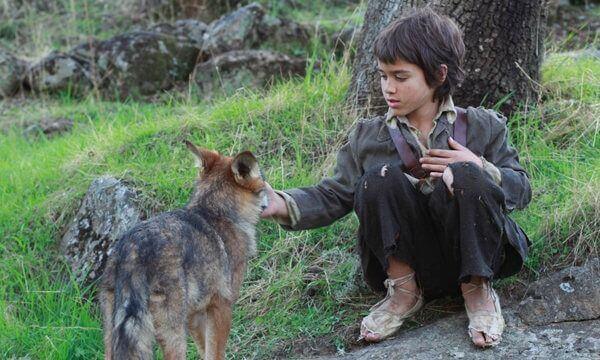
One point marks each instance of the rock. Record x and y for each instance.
(138, 63)
(572, 294)
(567, 328)
(142, 63)
(58, 72)
(11, 73)
(49, 127)
(447, 339)
(108, 209)
(249, 27)
(249, 68)
(280, 31)
(184, 30)
(234, 31)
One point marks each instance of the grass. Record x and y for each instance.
(560, 146)
(303, 288)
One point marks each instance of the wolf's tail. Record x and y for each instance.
(133, 332)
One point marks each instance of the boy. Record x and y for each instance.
(433, 233)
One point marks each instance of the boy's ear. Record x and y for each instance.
(205, 159)
(443, 72)
(245, 168)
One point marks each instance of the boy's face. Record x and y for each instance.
(404, 87)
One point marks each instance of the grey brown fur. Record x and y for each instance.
(179, 273)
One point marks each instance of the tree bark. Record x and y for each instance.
(504, 51)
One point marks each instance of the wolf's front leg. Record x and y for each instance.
(218, 325)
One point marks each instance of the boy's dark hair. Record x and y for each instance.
(428, 40)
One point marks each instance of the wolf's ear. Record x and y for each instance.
(205, 159)
(245, 168)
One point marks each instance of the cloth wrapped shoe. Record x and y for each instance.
(490, 323)
(384, 323)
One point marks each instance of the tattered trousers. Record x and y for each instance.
(445, 238)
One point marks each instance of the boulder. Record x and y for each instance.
(11, 73)
(235, 31)
(108, 209)
(572, 294)
(191, 30)
(58, 72)
(281, 31)
(247, 68)
(137, 63)
(249, 27)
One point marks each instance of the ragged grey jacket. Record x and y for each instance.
(370, 145)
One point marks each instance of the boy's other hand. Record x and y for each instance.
(277, 207)
(436, 160)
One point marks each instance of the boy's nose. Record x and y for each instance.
(389, 88)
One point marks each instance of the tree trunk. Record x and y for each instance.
(504, 51)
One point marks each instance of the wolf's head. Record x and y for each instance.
(229, 186)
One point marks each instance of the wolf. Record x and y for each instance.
(180, 272)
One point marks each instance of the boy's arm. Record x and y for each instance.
(514, 179)
(332, 198)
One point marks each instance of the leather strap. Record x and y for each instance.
(411, 164)
(410, 161)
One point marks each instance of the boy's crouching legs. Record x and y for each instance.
(383, 196)
(481, 220)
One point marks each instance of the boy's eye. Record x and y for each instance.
(400, 78)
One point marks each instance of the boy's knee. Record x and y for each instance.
(381, 181)
(467, 175)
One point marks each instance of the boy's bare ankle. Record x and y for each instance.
(398, 269)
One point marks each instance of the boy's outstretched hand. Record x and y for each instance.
(436, 160)
(277, 207)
